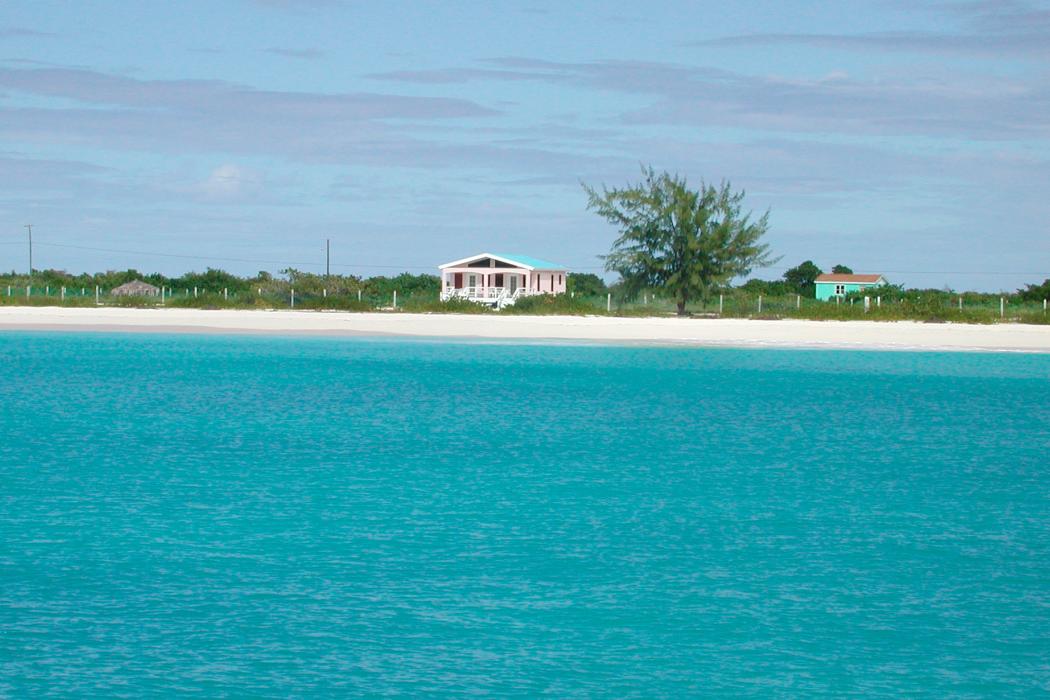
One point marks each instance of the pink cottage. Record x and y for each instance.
(499, 280)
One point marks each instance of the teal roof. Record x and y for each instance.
(531, 262)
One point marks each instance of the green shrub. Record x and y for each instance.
(585, 284)
(554, 304)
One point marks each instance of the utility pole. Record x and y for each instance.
(30, 228)
(327, 257)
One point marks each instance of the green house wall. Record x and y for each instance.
(826, 290)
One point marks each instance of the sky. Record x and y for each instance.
(904, 137)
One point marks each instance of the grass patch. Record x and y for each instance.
(451, 306)
(554, 305)
(46, 301)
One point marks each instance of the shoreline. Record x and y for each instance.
(657, 332)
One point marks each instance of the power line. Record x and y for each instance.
(208, 258)
(327, 264)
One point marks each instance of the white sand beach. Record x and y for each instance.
(902, 335)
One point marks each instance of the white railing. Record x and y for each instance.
(498, 296)
(483, 293)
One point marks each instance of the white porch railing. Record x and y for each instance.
(496, 296)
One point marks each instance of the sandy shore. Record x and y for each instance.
(903, 335)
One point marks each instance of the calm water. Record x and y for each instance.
(249, 517)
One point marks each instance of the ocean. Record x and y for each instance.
(240, 516)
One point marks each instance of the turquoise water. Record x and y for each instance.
(251, 516)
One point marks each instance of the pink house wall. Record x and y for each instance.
(549, 282)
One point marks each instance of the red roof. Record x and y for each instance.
(856, 279)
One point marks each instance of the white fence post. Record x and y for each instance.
(194, 292)
(867, 304)
(96, 295)
(720, 300)
(324, 292)
(63, 293)
(759, 303)
(28, 291)
(608, 302)
(1002, 307)
(359, 295)
(293, 297)
(798, 301)
(225, 294)
(395, 298)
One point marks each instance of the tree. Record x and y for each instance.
(769, 288)
(405, 284)
(1035, 292)
(802, 279)
(585, 284)
(212, 280)
(680, 241)
(841, 270)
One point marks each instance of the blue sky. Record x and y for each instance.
(910, 138)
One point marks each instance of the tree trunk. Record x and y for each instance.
(681, 306)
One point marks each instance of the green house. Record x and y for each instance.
(830, 286)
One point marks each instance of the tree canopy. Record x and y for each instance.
(585, 284)
(766, 287)
(1035, 292)
(678, 240)
(802, 279)
(841, 270)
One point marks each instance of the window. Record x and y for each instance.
(840, 290)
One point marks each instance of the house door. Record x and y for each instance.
(512, 283)
(458, 281)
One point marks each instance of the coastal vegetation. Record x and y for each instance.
(790, 296)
